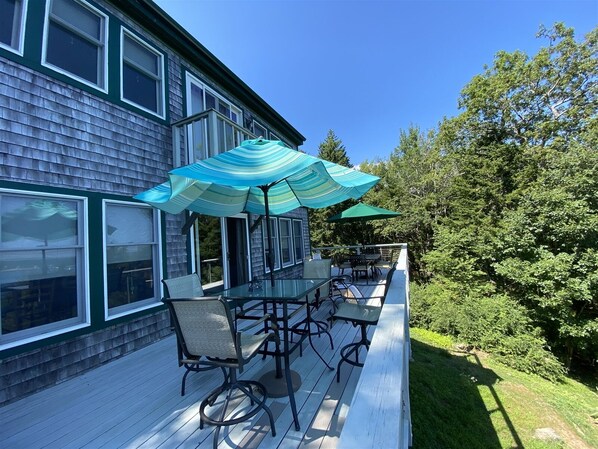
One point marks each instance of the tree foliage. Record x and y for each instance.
(500, 208)
(322, 232)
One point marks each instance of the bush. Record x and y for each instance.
(493, 323)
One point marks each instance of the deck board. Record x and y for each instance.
(135, 402)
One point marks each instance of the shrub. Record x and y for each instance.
(493, 323)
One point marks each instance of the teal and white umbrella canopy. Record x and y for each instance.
(259, 176)
(234, 182)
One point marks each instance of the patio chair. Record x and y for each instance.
(205, 327)
(360, 312)
(188, 286)
(315, 269)
(360, 267)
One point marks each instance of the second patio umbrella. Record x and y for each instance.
(260, 176)
(362, 212)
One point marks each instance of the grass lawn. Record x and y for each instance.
(467, 400)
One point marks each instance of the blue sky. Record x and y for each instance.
(368, 69)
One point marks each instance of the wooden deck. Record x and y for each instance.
(135, 402)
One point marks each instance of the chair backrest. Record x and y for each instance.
(188, 286)
(318, 269)
(204, 327)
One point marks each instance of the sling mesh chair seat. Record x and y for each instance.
(188, 286)
(358, 310)
(205, 326)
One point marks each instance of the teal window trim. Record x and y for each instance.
(32, 58)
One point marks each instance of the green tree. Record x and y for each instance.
(414, 182)
(522, 207)
(323, 233)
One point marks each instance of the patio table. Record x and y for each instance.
(279, 295)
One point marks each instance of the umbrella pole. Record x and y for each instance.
(270, 260)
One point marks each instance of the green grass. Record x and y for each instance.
(468, 400)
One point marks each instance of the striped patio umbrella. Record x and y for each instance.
(259, 176)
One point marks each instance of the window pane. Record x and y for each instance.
(10, 22)
(208, 250)
(79, 17)
(130, 274)
(140, 88)
(72, 53)
(285, 241)
(27, 222)
(38, 288)
(129, 224)
(298, 238)
(141, 56)
(210, 101)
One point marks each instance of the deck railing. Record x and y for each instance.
(203, 135)
(380, 412)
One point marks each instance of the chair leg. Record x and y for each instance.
(246, 387)
(353, 348)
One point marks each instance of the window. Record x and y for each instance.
(274, 136)
(142, 75)
(132, 271)
(275, 242)
(298, 246)
(43, 267)
(286, 242)
(259, 130)
(75, 41)
(201, 143)
(12, 24)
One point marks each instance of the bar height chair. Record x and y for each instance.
(205, 327)
(188, 286)
(356, 311)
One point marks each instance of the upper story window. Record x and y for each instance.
(201, 143)
(259, 130)
(142, 75)
(75, 41)
(12, 24)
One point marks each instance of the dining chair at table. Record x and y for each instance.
(205, 327)
(360, 311)
(310, 327)
(187, 286)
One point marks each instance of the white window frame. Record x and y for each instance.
(289, 239)
(104, 43)
(18, 27)
(258, 133)
(161, 79)
(274, 136)
(275, 243)
(51, 330)
(192, 79)
(150, 302)
(295, 237)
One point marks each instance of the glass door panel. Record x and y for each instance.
(208, 251)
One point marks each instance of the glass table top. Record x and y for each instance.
(292, 289)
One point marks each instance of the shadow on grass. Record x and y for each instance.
(446, 406)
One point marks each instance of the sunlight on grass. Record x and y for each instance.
(467, 400)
